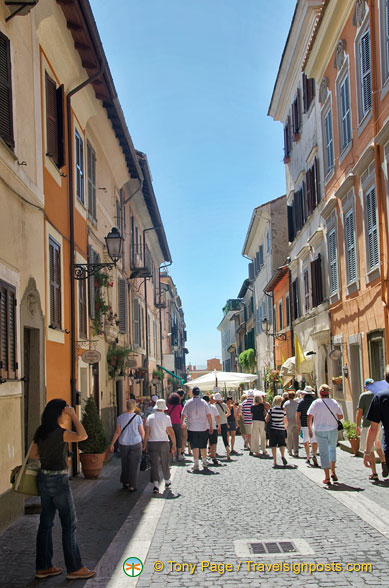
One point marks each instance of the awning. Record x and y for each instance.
(172, 374)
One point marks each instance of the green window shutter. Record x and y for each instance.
(122, 304)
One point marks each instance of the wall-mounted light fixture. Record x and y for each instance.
(266, 329)
(113, 241)
(345, 370)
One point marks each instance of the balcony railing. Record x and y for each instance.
(160, 298)
(140, 267)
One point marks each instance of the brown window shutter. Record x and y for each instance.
(317, 182)
(3, 332)
(51, 119)
(8, 363)
(305, 93)
(82, 321)
(55, 283)
(6, 120)
(314, 283)
(60, 127)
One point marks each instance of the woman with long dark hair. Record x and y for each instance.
(174, 410)
(51, 447)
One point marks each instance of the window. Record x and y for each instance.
(351, 264)
(296, 116)
(79, 156)
(333, 261)
(281, 315)
(122, 305)
(328, 142)
(295, 301)
(372, 230)
(364, 75)
(287, 141)
(136, 322)
(308, 91)
(82, 319)
(317, 282)
(8, 363)
(344, 111)
(313, 187)
(55, 283)
(384, 11)
(306, 291)
(91, 165)
(54, 121)
(287, 308)
(6, 118)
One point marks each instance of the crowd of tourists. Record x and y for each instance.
(170, 430)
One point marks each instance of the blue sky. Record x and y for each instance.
(195, 78)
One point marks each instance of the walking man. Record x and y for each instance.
(223, 412)
(248, 416)
(302, 424)
(292, 439)
(378, 413)
(199, 420)
(363, 407)
(216, 430)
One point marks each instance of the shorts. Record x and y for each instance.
(362, 444)
(306, 437)
(231, 426)
(212, 437)
(242, 428)
(198, 439)
(276, 438)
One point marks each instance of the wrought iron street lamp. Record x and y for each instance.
(266, 329)
(113, 241)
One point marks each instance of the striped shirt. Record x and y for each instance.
(246, 410)
(277, 418)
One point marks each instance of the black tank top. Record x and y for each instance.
(53, 451)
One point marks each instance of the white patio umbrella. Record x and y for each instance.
(288, 368)
(215, 378)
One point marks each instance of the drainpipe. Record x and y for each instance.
(381, 207)
(72, 247)
(160, 313)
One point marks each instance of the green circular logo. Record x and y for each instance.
(132, 566)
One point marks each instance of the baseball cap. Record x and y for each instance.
(369, 381)
(154, 398)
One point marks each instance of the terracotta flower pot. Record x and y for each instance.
(354, 445)
(92, 464)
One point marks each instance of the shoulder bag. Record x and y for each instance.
(124, 428)
(24, 478)
(340, 424)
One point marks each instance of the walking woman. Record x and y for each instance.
(130, 432)
(276, 416)
(231, 425)
(158, 430)
(224, 413)
(325, 413)
(174, 410)
(51, 447)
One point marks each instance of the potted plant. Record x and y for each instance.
(337, 380)
(157, 376)
(93, 448)
(116, 360)
(350, 432)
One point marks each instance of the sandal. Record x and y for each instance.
(327, 482)
(334, 477)
(374, 477)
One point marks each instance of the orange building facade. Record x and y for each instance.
(279, 288)
(349, 60)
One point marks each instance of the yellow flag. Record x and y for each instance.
(282, 358)
(300, 357)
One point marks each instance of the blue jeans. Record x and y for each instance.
(56, 495)
(327, 441)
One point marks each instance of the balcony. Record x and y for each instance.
(160, 298)
(141, 267)
(232, 304)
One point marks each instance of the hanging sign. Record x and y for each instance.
(131, 363)
(91, 356)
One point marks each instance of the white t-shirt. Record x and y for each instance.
(196, 410)
(214, 414)
(323, 420)
(158, 423)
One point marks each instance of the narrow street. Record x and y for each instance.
(198, 532)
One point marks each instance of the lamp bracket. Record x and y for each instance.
(82, 271)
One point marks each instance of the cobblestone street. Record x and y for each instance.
(204, 515)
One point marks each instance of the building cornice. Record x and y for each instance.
(345, 187)
(365, 159)
(327, 36)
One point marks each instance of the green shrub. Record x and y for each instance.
(97, 441)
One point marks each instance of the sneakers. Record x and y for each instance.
(385, 471)
(168, 484)
(314, 461)
(205, 464)
(195, 468)
(53, 571)
(181, 458)
(215, 461)
(155, 490)
(82, 574)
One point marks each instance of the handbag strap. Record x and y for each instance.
(21, 471)
(335, 417)
(129, 422)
